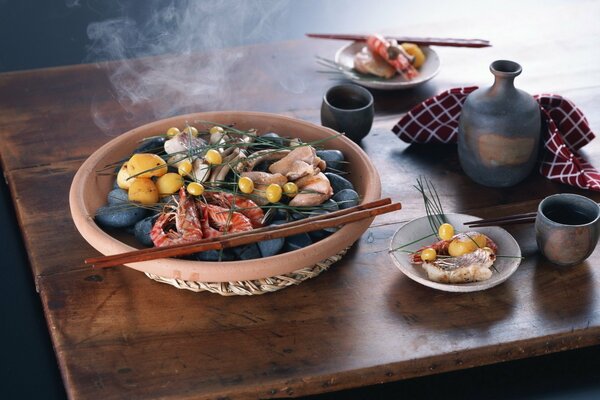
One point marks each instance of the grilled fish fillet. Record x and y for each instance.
(471, 267)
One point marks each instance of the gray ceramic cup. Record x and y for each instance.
(567, 228)
(348, 109)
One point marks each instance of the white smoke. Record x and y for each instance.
(178, 31)
(72, 3)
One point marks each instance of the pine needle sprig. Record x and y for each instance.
(432, 203)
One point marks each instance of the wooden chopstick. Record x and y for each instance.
(373, 204)
(422, 41)
(507, 220)
(318, 222)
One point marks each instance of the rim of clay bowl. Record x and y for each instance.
(83, 204)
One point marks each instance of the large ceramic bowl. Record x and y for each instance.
(89, 190)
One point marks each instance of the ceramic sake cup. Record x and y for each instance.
(567, 227)
(348, 109)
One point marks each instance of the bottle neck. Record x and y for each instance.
(504, 72)
(503, 84)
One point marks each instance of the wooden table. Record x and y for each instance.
(118, 334)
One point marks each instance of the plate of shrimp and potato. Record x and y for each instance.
(378, 63)
(442, 253)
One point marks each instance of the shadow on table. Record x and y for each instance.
(445, 311)
(564, 293)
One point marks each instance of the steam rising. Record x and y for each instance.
(72, 3)
(177, 29)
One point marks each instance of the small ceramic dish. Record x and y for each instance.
(345, 58)
(418, 228)
(89, 191)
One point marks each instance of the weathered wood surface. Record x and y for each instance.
(118, 334)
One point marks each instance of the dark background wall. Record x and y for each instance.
(47, 33)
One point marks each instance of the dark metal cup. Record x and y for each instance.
(567, 227)
(348, 109)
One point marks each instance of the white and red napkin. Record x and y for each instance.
(566, 130)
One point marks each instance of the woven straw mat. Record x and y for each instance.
(256, 286)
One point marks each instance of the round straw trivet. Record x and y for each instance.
(256, 286)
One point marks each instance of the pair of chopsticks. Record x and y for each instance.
(310, 224)
(516, 219)
(421, 41)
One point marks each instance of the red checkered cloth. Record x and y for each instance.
(566, 130)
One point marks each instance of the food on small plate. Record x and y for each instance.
(416, 52)
(366, 62)
(457, 258)
(471, 267)
(385, 58)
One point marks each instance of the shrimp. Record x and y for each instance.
(240, 204)
(440, 247)
(380, 46)
(368, 63)
(208, 231)
(226, 220)
(186, 220)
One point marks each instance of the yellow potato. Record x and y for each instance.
(146, 165)
(459, 247)
(123, 177)
(416, 52)
(143, 190)
(169, 183)
(445, 231)
(466, 243)
(480, 240)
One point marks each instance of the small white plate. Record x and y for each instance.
(418, 228)
(345, 58)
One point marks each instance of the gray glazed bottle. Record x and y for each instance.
(499, 130)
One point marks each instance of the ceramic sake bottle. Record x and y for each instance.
(499, 130)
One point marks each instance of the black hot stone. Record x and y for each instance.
(142, 229)
(333, 158)
(117, 196)
(346, 198)
(271, 247)
(274, 138)
(315, 236)
(215, 255)
(247, 252)
(330, 205)
(296, 242)
(155, 145)
(119, 216)
(338, 183)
